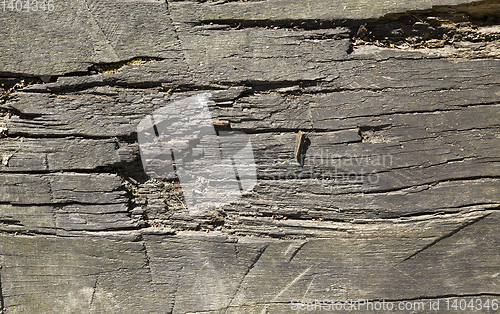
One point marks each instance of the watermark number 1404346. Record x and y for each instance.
(27, 5)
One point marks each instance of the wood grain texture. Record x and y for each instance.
(55, 154)
(100, 274)
(396, 196)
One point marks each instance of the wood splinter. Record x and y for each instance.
(221, 123)
(299, 146)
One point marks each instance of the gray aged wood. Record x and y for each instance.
(298, 10)
(396, 198)
(198, 273)
(77, 34)
(54, 154)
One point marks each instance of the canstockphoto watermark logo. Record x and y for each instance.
(180, 141)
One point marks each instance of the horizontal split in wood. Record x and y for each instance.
(336, 201)
(69, 154)
(56, 219)
(381, 89)
(275, 10)
(62, 188)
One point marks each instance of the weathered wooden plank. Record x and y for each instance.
(287, 227)
(376, 92)
(418, 163)
(106, 111)
(404, 158)
(192, 272)
(439, 141)
(82, 202)
(77, 34)
(392, 148)
(396, 197)
(135, 28)
(24, 189)
(71, 37)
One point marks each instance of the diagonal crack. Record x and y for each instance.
(148, 261)
(252, 265)
(176, 34)
(446, 236)
(100, 32)
(174, 293)
(264, 310)
(297, 249)
(93, 292)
